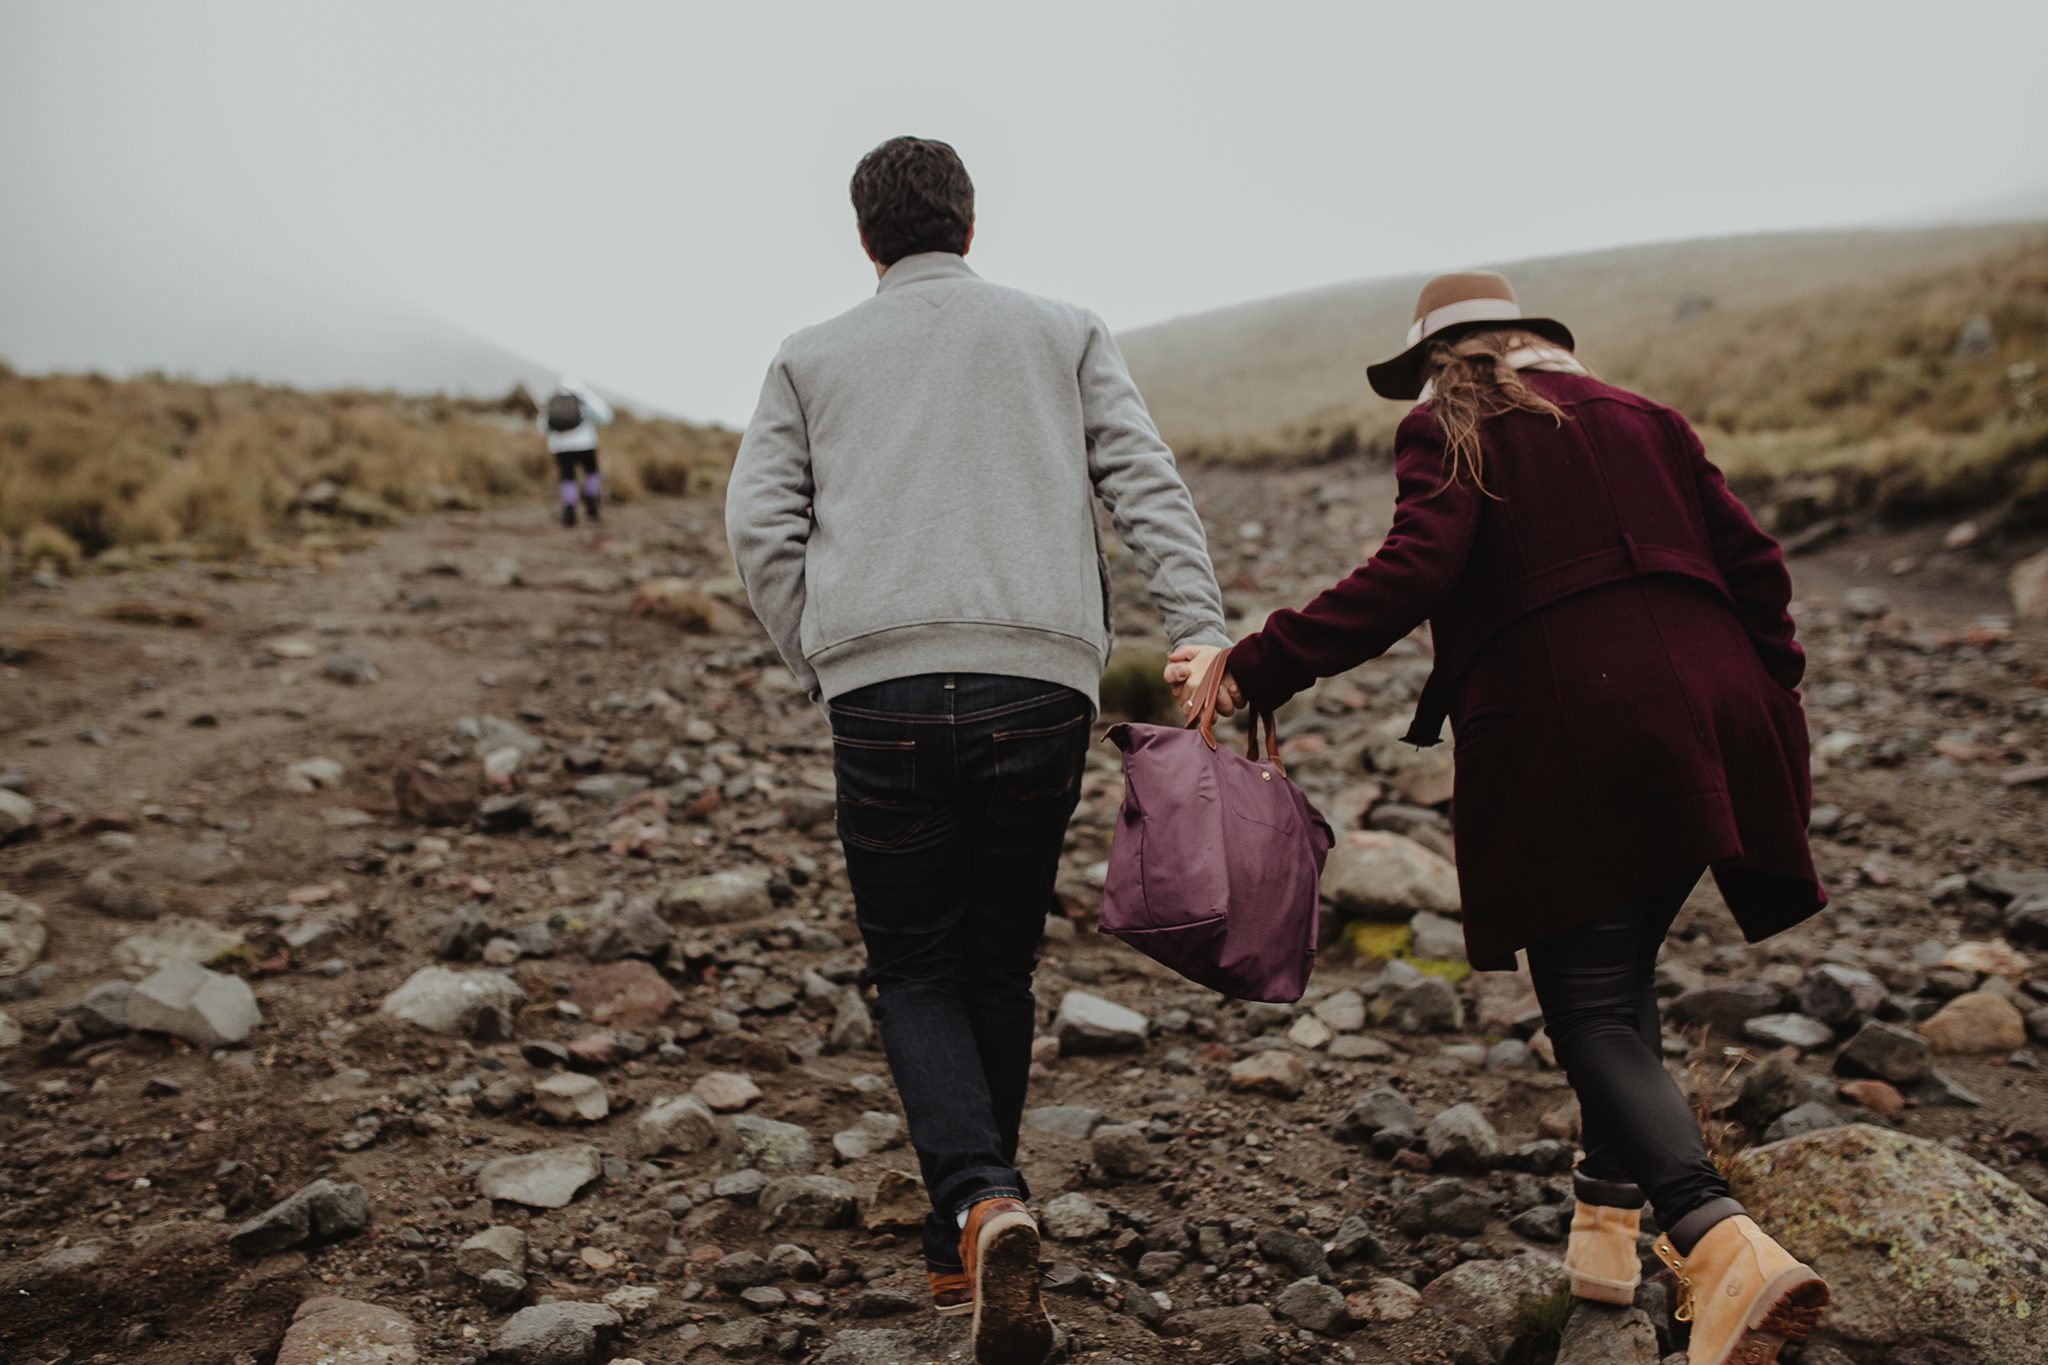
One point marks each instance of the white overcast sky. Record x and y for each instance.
(654, 194)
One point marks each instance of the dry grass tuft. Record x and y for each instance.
(132, 470)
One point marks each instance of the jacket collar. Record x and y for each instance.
(926, 265)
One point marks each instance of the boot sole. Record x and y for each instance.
(1603, 1293)
(1785, 1312)
(1010, 1325)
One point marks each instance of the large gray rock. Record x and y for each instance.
(1886, 1052)
(1374, 1110)
(1372, 874)
(808, 1201)
(682, 1124)
(1839, 996)
(769, 1145)
(1310, 1303)
(556, 1334)
(1461, 1137)
(1913, 1238)
(21, 931)
(1428, 1006)
(1603, 1334)
(543, 1180)
(206, 1009)
(322, 1209)
(722, 898)
(444, 1001)
(101, 1012)
(332, 1331)
(1088, 1023)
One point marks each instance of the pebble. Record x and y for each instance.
(1311, 1033)
(499, 1247)
(1810, 1117)
(1839, 996)
(721, 898)
(1442, 1206)
(1089, 1024)
(1428, 1006)
(1357, 1047)
(726, 1091)
(444, 1001)
(1121, 1149)
(571, 1098)
(1343, 1011)
(1374, 1110)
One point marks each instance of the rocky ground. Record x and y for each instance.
(446, 950)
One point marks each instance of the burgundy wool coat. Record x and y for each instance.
(1613, 651)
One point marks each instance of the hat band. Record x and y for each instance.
(1465, 310)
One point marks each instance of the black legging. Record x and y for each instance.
(1597, 986)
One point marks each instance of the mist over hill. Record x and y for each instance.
(1286, 376)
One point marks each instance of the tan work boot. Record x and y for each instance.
(952, 1292)
(999, 1247)
(1745, 1296)
(1601, 1256)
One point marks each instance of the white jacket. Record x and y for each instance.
(596, 413)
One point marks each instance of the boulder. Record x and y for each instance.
(444, 1001)
(1088, 1023)
(681, 1124)
(1913, 1238)
(1372, 874)
(722, 898)
(322, 1209)
(1885, 1052)
(1976, 1021)
(808, 1201)
(557, 1334)
(206, 1009)
(333, 1331)
(544, 1180)
(21, 931)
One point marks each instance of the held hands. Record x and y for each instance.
(1185, 669)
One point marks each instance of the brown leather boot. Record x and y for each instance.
(1601, 1256)
(952, 1292)
(1745, 1296)
(999, 1247)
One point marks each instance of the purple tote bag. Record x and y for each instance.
(1216, 861)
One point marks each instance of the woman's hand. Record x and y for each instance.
(1185, 669)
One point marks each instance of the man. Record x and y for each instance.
(913, 512)
(571, 418)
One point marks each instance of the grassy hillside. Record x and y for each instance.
(1286, 377)
(131, 468)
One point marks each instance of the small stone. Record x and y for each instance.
(500, 1288)
(808, 1201)
(101, 1012)
(853, 1027)
(1074, 1121)
(1375, 875)
(1157, 1267)
(874, 1132)
(681, 1124)
(741, 1187)
(1311, 1304)
(791, 1262)
(1428, 1006)
(899, 1202)
(1788, 1030)
(500, 1247)
(1374, 1110)
(1343, 1011)
(764, 1298)
(349, 667)
(22, 934)
(1605, 1334)
(1310, 1032)
(1280, 1074)
(769, 1145)
(1839, 996)
(726, 1091)
(1938, 1089)
(1442, 1206)
(738, 1270)
(335, 1331)
(1875, 1095)
(1810, 1117)
(1088, 1023)
(1728, 1006)
(1383, 1300)
(721, 898)
(206, 1009)
(569, 1097)
(1773, 1086)
(1977, 1021)
(1460, 1136)
(1434, 938)
(880, 1303)
(1885, 1052)
(444, 1001)
(1121, 1150)
(1543, 1223)
(1358, 1047)
(546, 1180)
(556, 1334)
(1073, 1217)
(1510, 1054)
(322, 1209)
(1301, 1254)
(633, 1301)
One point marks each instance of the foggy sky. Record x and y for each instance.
(653, 195)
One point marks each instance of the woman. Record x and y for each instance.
(1614, 652)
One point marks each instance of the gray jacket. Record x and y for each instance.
(915, 493)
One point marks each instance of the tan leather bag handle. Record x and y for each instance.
(1203, 716)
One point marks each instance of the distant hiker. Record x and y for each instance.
(571, 418)
(1615, 653)
(913, 513)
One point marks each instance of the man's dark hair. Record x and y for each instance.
(912, 194)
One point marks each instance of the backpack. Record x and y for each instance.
(565, 412)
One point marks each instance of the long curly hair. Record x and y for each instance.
(1471, 383)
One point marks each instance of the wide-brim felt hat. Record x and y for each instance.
(1450, 306)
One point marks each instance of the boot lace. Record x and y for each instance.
(1668, 1254)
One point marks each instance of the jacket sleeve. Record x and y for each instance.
(1134, 476)
(1751, 564)
(595, 409)
(768, 517)
(1385, 598)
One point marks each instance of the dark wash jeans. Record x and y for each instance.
(1597, 987)
(954, 795)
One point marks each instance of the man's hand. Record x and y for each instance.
(1185, 669)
